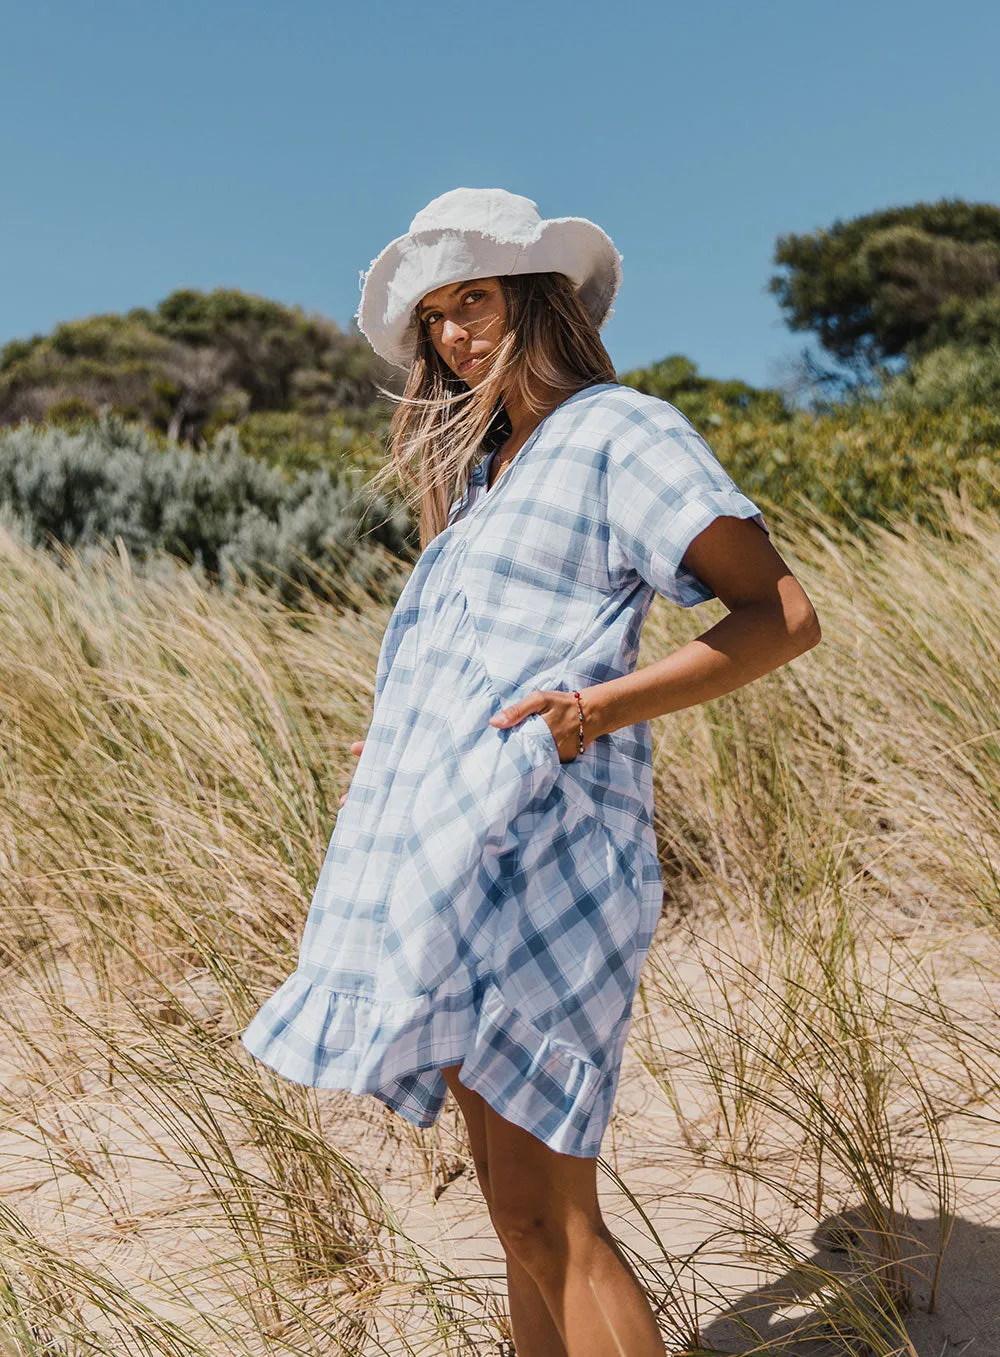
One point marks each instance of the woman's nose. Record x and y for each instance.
(450, 332)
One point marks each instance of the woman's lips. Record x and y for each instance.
(467, 363)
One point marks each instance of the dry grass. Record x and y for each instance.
(809, 1111)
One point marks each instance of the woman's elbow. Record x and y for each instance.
(803, 626)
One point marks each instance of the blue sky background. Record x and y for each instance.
(278, 147)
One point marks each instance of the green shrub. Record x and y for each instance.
(221, 510)
(866, 461)
(297, 442)
(704, 400)
(196, 362)
(72, 412)
(948, 378)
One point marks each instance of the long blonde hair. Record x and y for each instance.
(440, 425)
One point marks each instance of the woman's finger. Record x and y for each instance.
(356, 748)
(519, 710)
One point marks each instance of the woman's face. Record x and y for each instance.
(466, 322)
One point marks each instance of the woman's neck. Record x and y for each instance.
(524, 420)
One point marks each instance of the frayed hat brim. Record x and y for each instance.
(420, 261)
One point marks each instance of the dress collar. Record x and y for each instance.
(478, 473)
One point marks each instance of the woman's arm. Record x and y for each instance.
(770, 621)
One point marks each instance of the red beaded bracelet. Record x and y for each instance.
(580, 705)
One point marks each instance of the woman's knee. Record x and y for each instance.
(544, 1204)
(527, 1232)
(539, 1233)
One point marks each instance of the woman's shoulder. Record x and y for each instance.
(625, 417)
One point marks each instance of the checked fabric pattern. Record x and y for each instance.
(481, 903)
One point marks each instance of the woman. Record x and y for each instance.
(492, 883)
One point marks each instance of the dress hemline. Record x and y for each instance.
(325, 1038)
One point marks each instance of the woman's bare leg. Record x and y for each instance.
(535, 1334)
(544, 1208)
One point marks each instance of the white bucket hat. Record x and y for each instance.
(479, 233)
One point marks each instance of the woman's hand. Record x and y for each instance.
(356, 748)
(560, 711)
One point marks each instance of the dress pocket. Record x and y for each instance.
(538, 730)
(531, 737)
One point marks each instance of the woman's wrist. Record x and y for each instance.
(596, 712)
(619, 702)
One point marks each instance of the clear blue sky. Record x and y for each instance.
(277, 147)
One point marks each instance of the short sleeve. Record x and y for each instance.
(665, 485)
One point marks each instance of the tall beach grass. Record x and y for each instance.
(816, 1033)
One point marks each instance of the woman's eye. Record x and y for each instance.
(433, 317)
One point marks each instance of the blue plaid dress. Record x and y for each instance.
(481, 903)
